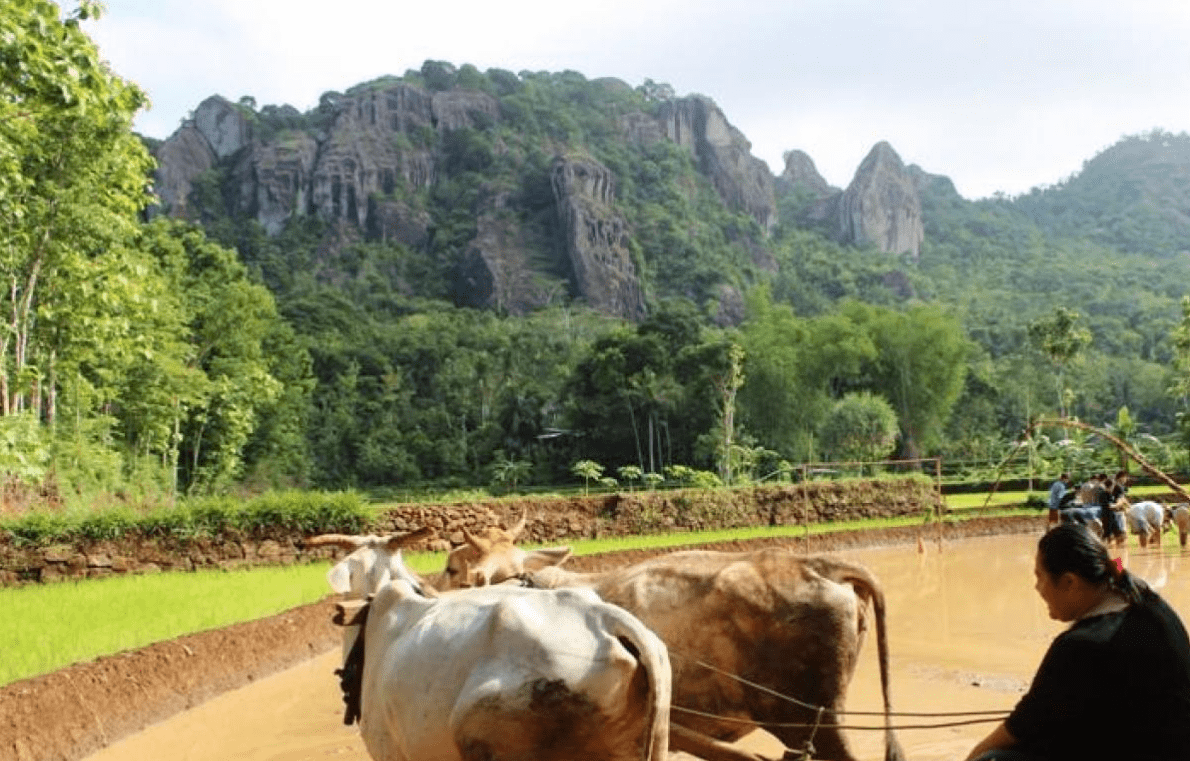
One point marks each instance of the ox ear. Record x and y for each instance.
(396, 541)
(538, 559)
(339, 577)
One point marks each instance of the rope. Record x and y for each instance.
(851, 727)
(996, 715)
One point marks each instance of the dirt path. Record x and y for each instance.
(72, 713)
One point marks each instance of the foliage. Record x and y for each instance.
(861, 428)
(261, 517)
(588, 470)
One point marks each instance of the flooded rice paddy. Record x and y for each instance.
(966, 633)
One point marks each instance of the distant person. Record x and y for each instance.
(1058, 490)
(1146, 519)
(1116, 684)
(1181, 517)
(1119, 499)
(1088, 491)
(1113, 528)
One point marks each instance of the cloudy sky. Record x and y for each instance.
(999, 95)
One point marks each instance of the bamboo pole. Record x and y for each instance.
(1128, 451)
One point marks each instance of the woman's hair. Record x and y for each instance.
(1072, 548)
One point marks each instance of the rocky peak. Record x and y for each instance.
(800, 173)
(723, 154)
(223, 125)
(216, 130)
(881, 206)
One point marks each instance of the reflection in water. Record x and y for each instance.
(966, 630)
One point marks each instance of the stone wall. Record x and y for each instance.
(548, 520)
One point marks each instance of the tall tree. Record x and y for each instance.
(72, 179)
(1060, 338)
(921, 362)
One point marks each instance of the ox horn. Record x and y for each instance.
(404, 540)
(477, 542)
(335, 540)
(516, 530)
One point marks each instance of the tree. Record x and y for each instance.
(72, 179)
(587, 470)
(217, 395)
(631, 474)
(511, 472)
(727, 385)
(1060, 338)
(921, 360)
(861, 427)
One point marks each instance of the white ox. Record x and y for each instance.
(372, 562)
(505, 673)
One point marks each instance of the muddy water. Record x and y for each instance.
(966, 630)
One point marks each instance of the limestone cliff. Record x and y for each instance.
(459, 173)
(596, 237)
(881, 206)
(723, 154)
(217, 130)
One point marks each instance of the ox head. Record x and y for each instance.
(491, 556)
(374, 561)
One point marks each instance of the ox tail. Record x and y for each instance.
(869, 589)
(652, 654)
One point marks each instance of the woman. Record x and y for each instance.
(1116, 684)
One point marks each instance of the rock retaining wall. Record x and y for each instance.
(549, 520)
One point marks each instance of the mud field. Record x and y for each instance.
(966, 632)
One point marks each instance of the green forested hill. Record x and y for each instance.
(943, 338)
(488, 278)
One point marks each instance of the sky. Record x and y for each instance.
(999, 95)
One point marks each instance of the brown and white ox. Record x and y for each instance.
(504, 673)
(749, 633)
(790, 625)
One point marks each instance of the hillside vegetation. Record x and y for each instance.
(145, 359)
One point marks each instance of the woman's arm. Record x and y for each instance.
(999, 738)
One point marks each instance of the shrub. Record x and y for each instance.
(261, 517)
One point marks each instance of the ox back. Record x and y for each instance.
(792, 625)
(511, 674)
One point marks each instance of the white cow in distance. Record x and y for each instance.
(505, 673)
